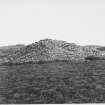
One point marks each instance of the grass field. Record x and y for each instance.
(56, 82)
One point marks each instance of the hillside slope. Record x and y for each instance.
(55, 83)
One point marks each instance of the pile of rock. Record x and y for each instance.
(52, 50)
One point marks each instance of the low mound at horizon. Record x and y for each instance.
(49, 50)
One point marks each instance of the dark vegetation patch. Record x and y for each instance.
(56, 82)
(101, 48)
(37, 62)
(94, 58)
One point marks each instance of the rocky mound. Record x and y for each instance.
(52, 50)
(46, 50)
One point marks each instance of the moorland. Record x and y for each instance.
(55, 73)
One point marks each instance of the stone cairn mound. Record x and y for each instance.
(52, 50)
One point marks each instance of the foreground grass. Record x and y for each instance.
(57, 82)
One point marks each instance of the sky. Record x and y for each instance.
(75, 21)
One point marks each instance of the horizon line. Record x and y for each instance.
(50, 39)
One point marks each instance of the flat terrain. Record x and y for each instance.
(56, 82)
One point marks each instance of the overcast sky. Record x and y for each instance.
(27, 21)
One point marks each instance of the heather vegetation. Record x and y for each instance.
(56, 82)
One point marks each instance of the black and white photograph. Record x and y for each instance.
(52, 52)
